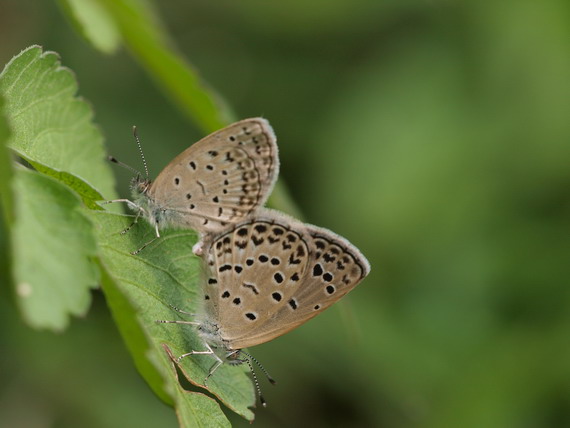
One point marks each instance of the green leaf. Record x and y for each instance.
(51, 127)
(5, 167)
(126, 319)
(165, 274)
(93, 22)
(53, 248)
(52, 241)
(144, 36)
(196, 409)
(87, 193)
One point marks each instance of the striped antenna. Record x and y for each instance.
(140, 150)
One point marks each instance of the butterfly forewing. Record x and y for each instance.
(221, 179)
(274, 273)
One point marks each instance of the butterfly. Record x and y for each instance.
(216, 182)
(266, 276)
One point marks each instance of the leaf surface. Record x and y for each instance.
(166, 274)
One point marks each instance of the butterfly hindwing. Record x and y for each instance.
(274, 273)
(335, 268)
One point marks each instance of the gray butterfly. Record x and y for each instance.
(266, 276)
(216, 182)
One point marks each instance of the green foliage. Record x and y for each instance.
(5, 167)
(140, 32)
(434, 135)
(51, 128)
(53, 248)
(140, 290)
(52, 241)
(63, 244)
(93, 22)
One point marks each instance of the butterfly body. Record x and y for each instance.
(157, 212)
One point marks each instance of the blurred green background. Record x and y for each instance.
(433, 135)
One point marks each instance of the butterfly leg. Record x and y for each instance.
(194, 353)
(177, 322)
(134, 207)
(180, 311)
(134, 253)
(129, 203)
(124, 231)
(217, 364)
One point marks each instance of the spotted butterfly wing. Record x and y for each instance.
(217, 181)
(270, 274)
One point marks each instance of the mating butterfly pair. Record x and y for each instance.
(267, 273)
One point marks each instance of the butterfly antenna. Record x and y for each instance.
(140, 149)
(269, 378)
(261, 399)
(124, 165)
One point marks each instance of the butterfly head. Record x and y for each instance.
(139, 186)
(139, 190)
